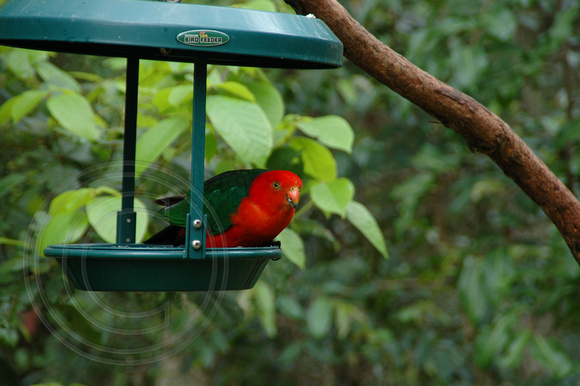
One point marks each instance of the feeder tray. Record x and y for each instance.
(169, 32)
(131, 267)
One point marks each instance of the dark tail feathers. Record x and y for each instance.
(170, 235)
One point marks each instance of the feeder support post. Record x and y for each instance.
(126, 217)
(196, 221)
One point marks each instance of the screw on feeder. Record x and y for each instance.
(197, 223)
(196, 244)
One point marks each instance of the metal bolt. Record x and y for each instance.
(197, 224)
(127, 240)
(128, 219)
(196, 244)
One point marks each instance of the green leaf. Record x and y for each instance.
(346, 313)
(484, 188)
(420, 43)
(500, 24)
(67, 222)
(243, 126)
(7, 241)
(74, 113)
(284, 158)
(8, 338)
(18, 61)
(551, 356)
(6, 111)
(499, 272)
(491, 342)
(515, 350)
(264, 296)
(237, 89)
(102, 215)
(86, 76)
(260, 5)
(469, 62)
(305, 226)
(26, 102)
(6, 183)
(317, 159)
(291, 353)
(293, 247)
(180, 94)
(211, 145)
(104, 189)
(290, 307)
(472, 291)
(347, 90)
(568, 132)
(64, 227)
(144, 120)
(333, 196)
(53, 75)
(343, 319)
(155, 139)
(161, 100)
(563, 24)
(319, 317)
(431, 158)
(70, 200)
(332, 131)
(363, 220)
(269, 99)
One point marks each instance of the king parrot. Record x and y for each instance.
(244, 208)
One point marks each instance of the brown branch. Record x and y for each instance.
(482, 130)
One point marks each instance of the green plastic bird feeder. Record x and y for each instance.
(170, 32)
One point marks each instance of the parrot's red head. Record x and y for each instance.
(278, 189)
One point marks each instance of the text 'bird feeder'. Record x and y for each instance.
(169, 32)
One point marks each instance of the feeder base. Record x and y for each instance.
(142, 267)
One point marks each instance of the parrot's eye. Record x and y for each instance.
(276, 185)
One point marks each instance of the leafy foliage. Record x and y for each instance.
(479, 287)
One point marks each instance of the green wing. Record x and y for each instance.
(223, 194)
(176, 209)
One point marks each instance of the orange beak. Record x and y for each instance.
(293, 196)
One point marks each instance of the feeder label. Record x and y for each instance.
(203, 38)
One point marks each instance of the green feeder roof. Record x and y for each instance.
(170, 32)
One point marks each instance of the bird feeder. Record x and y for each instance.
(168, 32)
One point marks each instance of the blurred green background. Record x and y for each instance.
(477, 286)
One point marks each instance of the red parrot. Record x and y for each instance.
(244, 208)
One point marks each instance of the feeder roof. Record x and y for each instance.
(170, 32)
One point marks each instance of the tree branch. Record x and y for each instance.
(482, 130)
